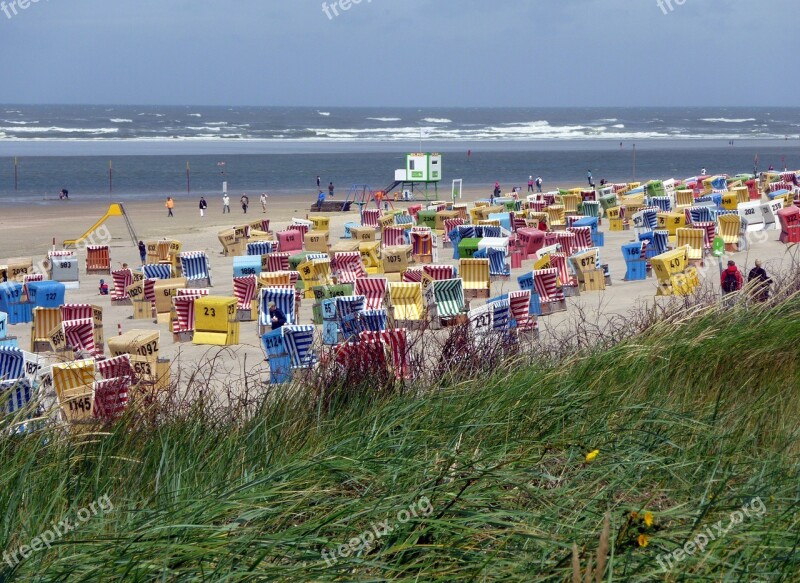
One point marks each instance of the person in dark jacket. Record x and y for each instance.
(143, 252)
(761, 282)
(731, 279)
(276, 316)
(203, 206)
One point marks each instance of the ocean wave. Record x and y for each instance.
(385, 118)
(195, 115)
(437, 120)
(203, 128)
(217, 123)
(619, 126)
(19, 123)
(324, 113)
(608, 120)
(727, 120)
(57, 130)
(120, 120)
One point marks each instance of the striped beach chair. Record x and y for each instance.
(406, 299)
(730, 228)
(278, 261)
(568, 241)
(300, 226)
(196, 268)
(393, 237)
(449, 225)
(699, 214)
(583, 238)
(710, 228)
(412, 275)
(111, 394)
(395, 341)
(348, 314)
(546, 284)
(262, 247)
(348, 267)
(439, 272)
(489, 231)
(664, 203)
(98, 259)
(45, 320)
(659, 243)
(500, 310)
(285, 301)
(373, 320)
(184, 311)
(122, 278)
(369, 217)
(694, 239)
(12, 363)
(403, 219)
(497, 261)
(477, 280)
(74, 385)
(449, 297)
(79, 335)
(645, 221)
(421, 242)
(374, 291)
(244, 290)
(519, 306)
(299, 342)
(157, 271)
(16, 394)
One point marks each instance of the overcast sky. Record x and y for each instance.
(401, 52)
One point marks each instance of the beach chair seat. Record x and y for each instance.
(406, 300)
(262, 247)
(556, 217)
(546, 283)
(694, 239)
(157, 271)
(582, 239)
(476, 276)
(412, 275)
(184, 320)
(370, 217)
(374, 291)
(519, 306)
(98, 259)
(730, 227)
(196, 269)
(299, 342)
(122, 278)
(501, 311)
(448, 298)
(16, 394)
(276, 262)
(348, 267)
(45, 320)
(449, 226)
(393, 237)
(348, 313)
(646, 220)
(374, 320)
(79, 335)
(12, 363)
(285, 301)
(440, 272)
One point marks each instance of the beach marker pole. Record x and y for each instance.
(110, 178)
(16, 182)
(119, 329)
(188, 180)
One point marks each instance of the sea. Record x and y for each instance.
(138, 152)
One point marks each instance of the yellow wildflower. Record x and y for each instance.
(592, 454)
(648, 518)
(643, 540)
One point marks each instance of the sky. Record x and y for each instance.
(446, 53)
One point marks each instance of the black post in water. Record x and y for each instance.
(110, 177)
(188, 180)
(16, 177)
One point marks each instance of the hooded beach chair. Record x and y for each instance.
(449, 298)
(439, 272)
(531, 240)
(262, 247)
(556, 217)
(369, 217)
(290, 241)
(285, 301)
(645, 221)
(122, 278)
(659, 243)
(79, 336)
(421, 245)
(406, 299)
(559, 262)
(500, 310)
(299, 342)
(412, 275)
(348, 315)
(16, 395)
(184, 311)
(567, 241)
(393, 237)
(373, 320)
(476, 276)
(498, 267)
(374, 291)
(348, 267)
(489, 231)
(45, 320)
(449, 225)
(157, 271)
(196, 268)
(546, 283)
(277, 262)
(663, 203)
(111, 392)
(12, 363)
(98, 259)
(694, 239)
(74, 385)
(583, 238)
(395, 341)
(730, 227)
(519, 306)
(244, 290)
(699, 214)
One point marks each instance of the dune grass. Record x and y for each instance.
(488, 479)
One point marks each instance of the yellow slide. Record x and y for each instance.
(114, 210)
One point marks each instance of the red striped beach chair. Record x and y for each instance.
(393, 237)
(567, 240)
(184, 310)
(369, 218)
(122, 278)
(111, 392)
(546, 283)
(301, 228)
(348, 267)
(278, 261)
(583, 238)
(559, 261)
(98, 259)
(450, 225)
(244, 290)
(520, 303)
(412, 275)
(440, 272)
(414, 209)
(374, 291)
(710, 228)
(79, 334)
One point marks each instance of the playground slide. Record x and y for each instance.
(114, 210)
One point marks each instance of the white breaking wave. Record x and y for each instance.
(57, 130)
(195, 115)
(324, 113)
(204, 128)
(608, 120)
(727, 120)
(385, 118)
(217, 123)
(437, 120)
(619, 126)
(19, 123)
(120, 120)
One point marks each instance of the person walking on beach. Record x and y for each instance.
(226, 204)
(761, 282)
(495, 193)
(263, 199)
(276, 316)
(142, 252)
(320, 200)
(170, 204)
(64, 194)
(330, 189)
(245, 200)
(539, 183)
(203, 206)
(731, 279)
(530, 183)
(318, 182)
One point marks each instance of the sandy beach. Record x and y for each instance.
(30, 231)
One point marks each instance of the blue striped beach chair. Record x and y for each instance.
(299, 341)
(12, 363)
(195, 268)
(262, 247)
(16, 394)
(373, 320)
(403, 220)
(348, 314)
(497, 261)
(500, 310)
(664, 203)
(284, 299)
(157, 271)
(700, 214)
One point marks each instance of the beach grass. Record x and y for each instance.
(686, 430)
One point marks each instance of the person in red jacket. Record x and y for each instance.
(731, 279)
